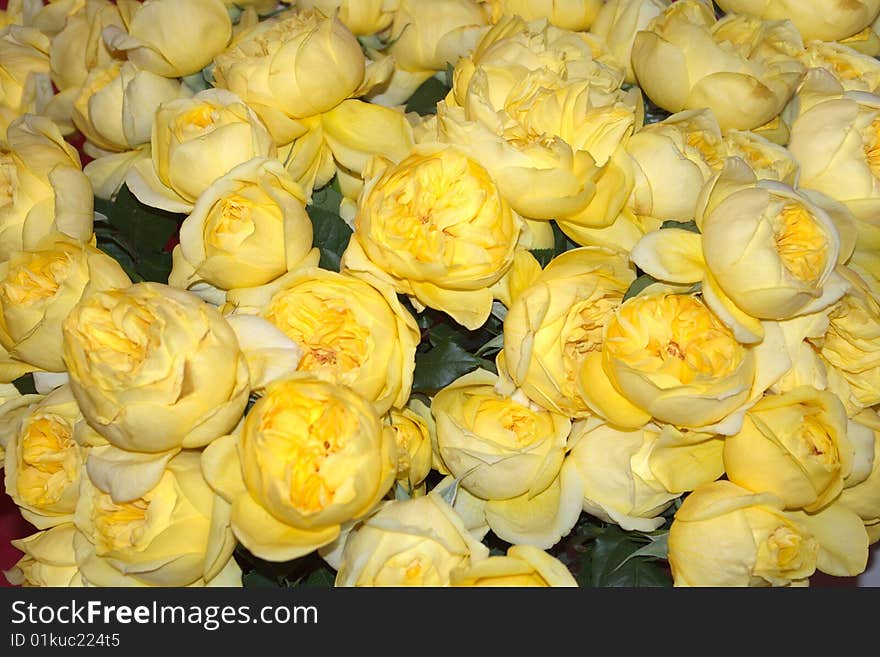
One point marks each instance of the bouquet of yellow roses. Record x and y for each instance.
(440, 292)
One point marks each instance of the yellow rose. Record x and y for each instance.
(669, 357)
(855, 71)
(79, 47)
(725, 535)
(351, 332)
(435, 227)
(631, 477)
(247, 228)
(38, 289)
(617, 23)
(278, 67)
(523, 565)
(362, 17)
(115, 104)
(48, 561)
(793, 445)
(42, 187)
(13, 407)
(172, 38)
(310, 456)
(194, 141)
(174, 533)
(850, 344)
(44, 459)
(621, 235)
(413, 433)
(560, 318)
(496, 446)
(416, 542)
(742, 68)
(834, 137)
(863, 498)
(768, 160)
(814, 19)
(24, 73)
(154, 368)
(768, 248)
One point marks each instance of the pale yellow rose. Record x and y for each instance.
(618, 22)
(522, 565)
(742, 68)
(172, 38)
(42, 187)
(435, 227)
(351, 332)
(834, 137)
(864, 497)
(79, 47)
(854, 70)
(671, 161)
(115, 104)
(362, 17)
(558, 320)
(38, 288)
(768, 160)
(814, 19)
(621, 235)
(669, 357)
(175, 532)
(575, 15)
(416, 542)
(309, 456)
(154, 368)
(413, 431)
(497, 447)
(25, 86)
(279, 68)
(193, 142)
(631, 477)
(247, 229)
(793, 445)
(49, 559)
(850, 343)
(725, 535)
(13, 407)
(45, 458)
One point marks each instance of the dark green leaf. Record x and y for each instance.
(321, 578)
(440, 366)
(638, 285)
(544, 256)
(424, 99)
(683, 225)
(331, 233)
(256, 579)
(611, 565)
(25, 384)
(561, 241)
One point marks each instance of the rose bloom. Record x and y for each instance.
(793, 445)
(247, 229)
(24, 73)
(435, 228)
(558, 321)
(350, 332)
(725, 535)
(496, 446)
(742, 68)
(412, 433)
(309, 456)
(863, 497)
(38, 288)
(154, 368)
(416, 542)
(48, 560)
(617, 23)
(362, 17)
(172, 38)
(193, 142)
(13, 407)
(814, 19)
(522, 565)
(855, 71)
(575, 15)
(768, 160)
(630, 477)
(174, 532)
(42, 187)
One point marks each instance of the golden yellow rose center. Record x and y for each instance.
(230, 223)
(298, 438)
(800, 242)
(519, 426)
(781, 550)
(708, 148)
(118, 338)
(407, 435)
(37, 278)
(194, 122)
(324, 326)
(673, 335)
(815, 441)
(48, 460)
(872, 146)
(119, 526)
(8, 179)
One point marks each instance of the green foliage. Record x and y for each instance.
(638, 285)
(331, 233)
(424, 99)
(683, 225)
(442, 364)
(137, 235)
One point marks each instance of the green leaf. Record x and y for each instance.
(441, 365)
(638, 285)
(424, 99)
(611, 565)
(330, 232)
(543, 256)
(25, 384)
(658, 547)
(683, 225)
(256, 579)
(323, 577)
